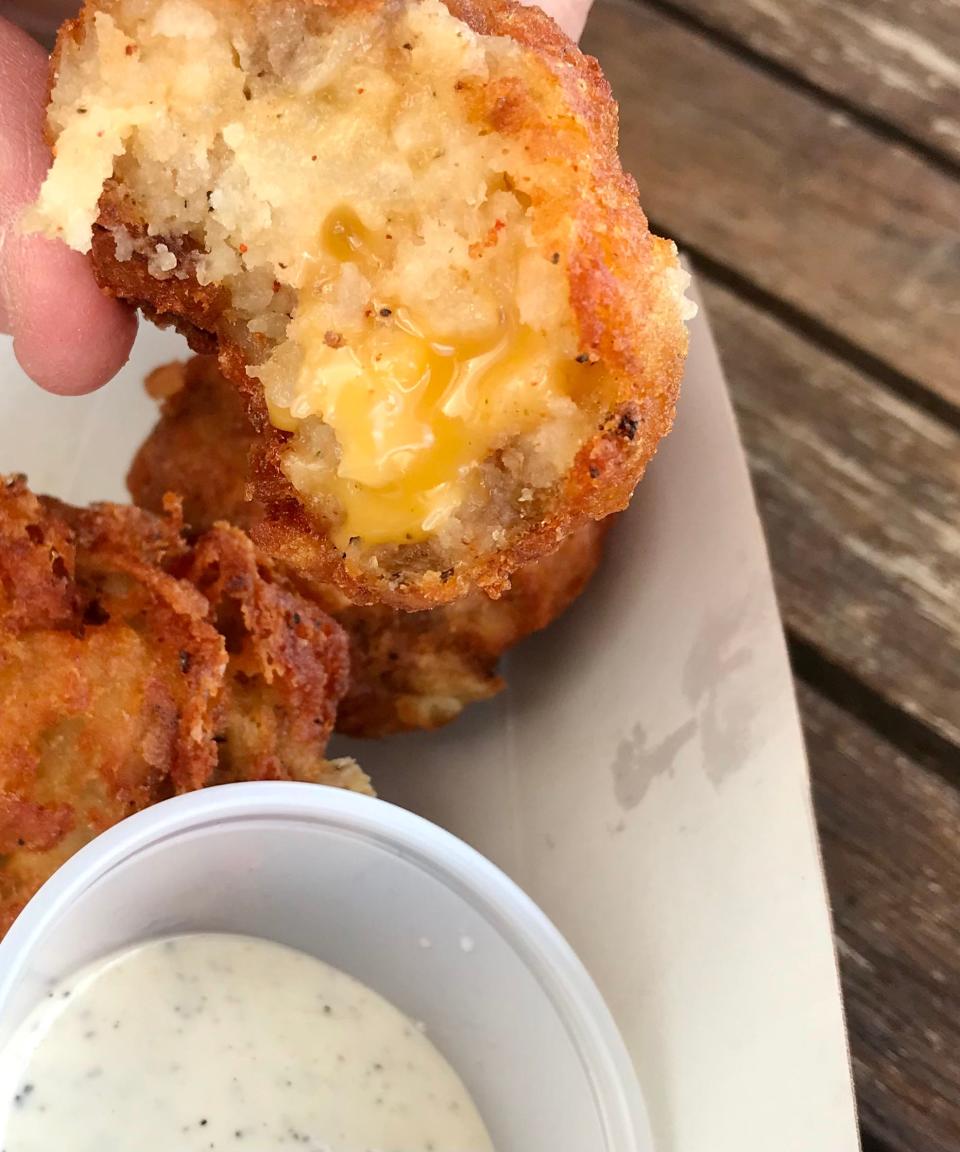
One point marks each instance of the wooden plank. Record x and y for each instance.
(891, 844)
(826, 216)
(860, 496)
(900, 61)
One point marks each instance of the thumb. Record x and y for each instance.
(67, 335)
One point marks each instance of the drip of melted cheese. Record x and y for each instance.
(414, 411)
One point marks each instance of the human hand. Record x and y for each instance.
(67, 335)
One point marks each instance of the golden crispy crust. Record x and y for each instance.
(420, 669)
(133, 667)
(625, 319)
(199, 449)
(288, 665)
(408, 670)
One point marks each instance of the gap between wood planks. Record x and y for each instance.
(871, 1142)
(902, 731)
(906, 387)
(867, 119)
(899, 61)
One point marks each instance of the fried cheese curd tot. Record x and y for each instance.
(407, 669)
(405, 230)
(134, 667)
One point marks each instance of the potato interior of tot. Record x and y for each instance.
(378, 190)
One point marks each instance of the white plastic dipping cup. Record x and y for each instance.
(381, 894)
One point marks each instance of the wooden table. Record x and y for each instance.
(805, 154)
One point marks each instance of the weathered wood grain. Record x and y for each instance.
(858, 235)
(860, 497)
(891, 844)
(898, 60)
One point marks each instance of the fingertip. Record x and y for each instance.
(75, 369)
(68, 336)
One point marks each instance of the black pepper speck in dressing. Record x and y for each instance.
(209, 1043)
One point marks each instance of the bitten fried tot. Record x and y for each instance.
(404, 229)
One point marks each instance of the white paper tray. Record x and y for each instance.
(643, 778)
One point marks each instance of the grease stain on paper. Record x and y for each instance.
(635, 766)
(722, 717)
(726, 715)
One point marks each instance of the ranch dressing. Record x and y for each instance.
(210, 1043)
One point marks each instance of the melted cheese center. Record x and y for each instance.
(414, 411)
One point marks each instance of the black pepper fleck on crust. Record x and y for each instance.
(628, 425)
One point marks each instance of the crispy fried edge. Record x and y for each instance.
(107, 538)
(291, 642)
